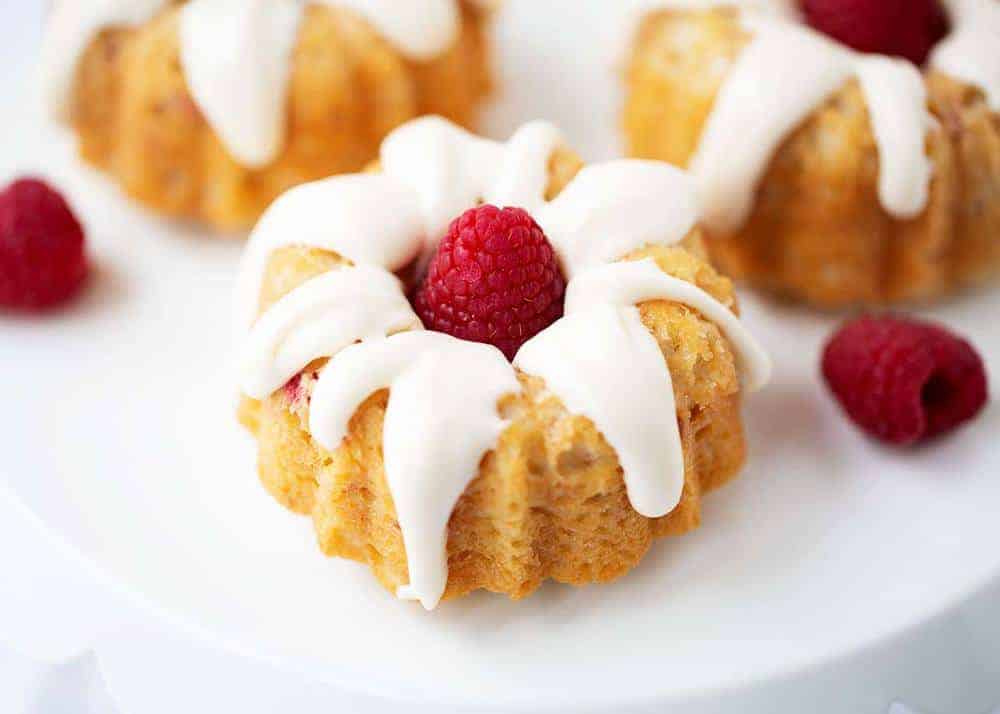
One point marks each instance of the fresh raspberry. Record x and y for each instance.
(494, 279)
(903, 380)
(42, 258)
(901, 28)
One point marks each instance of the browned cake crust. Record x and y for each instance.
(818, 232)
(349, 87)
(550, 500)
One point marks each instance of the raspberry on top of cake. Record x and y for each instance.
(515, 288)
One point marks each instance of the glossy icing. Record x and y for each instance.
(634, 282)
(236, 54)
(765, 97)
(440, 420)
(604, 364)
(355, 303)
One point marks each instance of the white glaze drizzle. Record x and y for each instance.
(971, 52)
(432, 171)
(788, 70)
(897, 107)
(236, 54)
(346, 215)
(440, 421)
(613, 208)
(605, 365)
(320, 318)
(452, 170)
(581, 359)
(638, 281)
(778, 80)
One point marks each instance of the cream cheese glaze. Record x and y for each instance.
(433, 171)
(766, 95)
(633, 282)
(440, 420)
(325, 315)
(236, 53)
(367, 233)
(580, 359)
(604, 364)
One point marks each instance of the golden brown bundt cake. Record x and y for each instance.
(818, 226)
(346, 85)
(550, 497)
(550, 502)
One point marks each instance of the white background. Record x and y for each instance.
(27, 687)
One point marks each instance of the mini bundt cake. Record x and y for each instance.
(210, 109)
(437, 461)
(829, 175)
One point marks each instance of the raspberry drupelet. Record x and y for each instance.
(494, 279)
(904, 381)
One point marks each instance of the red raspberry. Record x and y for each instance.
(42, 259)
(494, 279)
(901, 28)
(902, 380)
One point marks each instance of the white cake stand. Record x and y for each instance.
(834, 576)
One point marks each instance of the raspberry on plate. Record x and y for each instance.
(902, 380)
(42, 256)
(901, 28)
(494, 279)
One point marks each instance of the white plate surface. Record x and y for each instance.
(120, 434)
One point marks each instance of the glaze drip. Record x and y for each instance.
(452, 170)
(766, 96)
(432, 172)
(346, 215)
(581, 357)
(605, 365)
(634, 282)
(236, 54)
(320, 318)
(614, 208)
(440, 420)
